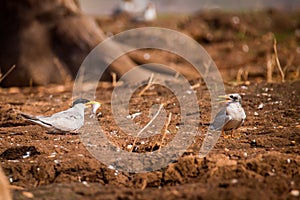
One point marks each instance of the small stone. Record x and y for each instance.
(56, 161)
(245, 48)
(234, 181)
(235, 20)
(28, 194)
(253, 143)
(295, 193)
(260, 106)
(85, 183)
(111, 167)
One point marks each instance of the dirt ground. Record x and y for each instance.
(261, 162)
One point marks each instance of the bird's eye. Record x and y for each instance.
(231, 96)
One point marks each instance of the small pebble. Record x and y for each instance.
(245, 48)
(234, 181)
(85, 183)
(260, 106)
(253, 143)
(235, 20)
(111, 167)
(56, 161)
(295, 193)
(28, 194)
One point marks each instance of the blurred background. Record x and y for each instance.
(104, 7)
(248, 40)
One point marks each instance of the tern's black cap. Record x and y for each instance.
(77, 101)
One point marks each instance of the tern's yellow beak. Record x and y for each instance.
(95, 105)
(224, 99)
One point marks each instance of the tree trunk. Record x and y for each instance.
(47, 41)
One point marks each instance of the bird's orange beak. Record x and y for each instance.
(224, 99)
(95, 105)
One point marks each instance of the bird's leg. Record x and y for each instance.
(239, 135)
(235, 135)
(232, 134)
(224, 135)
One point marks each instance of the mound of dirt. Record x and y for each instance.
(262, 163)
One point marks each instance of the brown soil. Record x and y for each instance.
(262, 163)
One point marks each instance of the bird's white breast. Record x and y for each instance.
(236, 116)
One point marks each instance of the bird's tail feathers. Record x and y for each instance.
(26, 116)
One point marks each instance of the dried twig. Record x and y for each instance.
(165, 130)
(195, 86)
(147, 125)
(270, 67)
(144, 184)
(150, 82)
(15, 187)
(277, 61)
(7, 73)
(297, 73)
(242, 75)
(114, 79)
(239, 75)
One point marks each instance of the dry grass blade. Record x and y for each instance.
(195, 86)
(15, 187)
(278, 62)
(270, 68)
(165, 130)
(239, 75)
(7, 73)
(150, 82)
(147, 125)
(114, 79)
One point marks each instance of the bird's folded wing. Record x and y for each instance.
(68, 120)
(220, 120)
